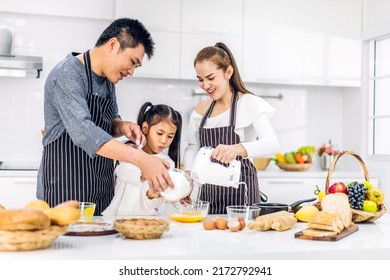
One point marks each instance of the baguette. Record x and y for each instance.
(326, 221)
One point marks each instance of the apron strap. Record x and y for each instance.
(232, 119)
(88, 70)
(233, 109)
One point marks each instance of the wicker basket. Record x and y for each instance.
(294, 166)
(141, 228)
(28, 240)
(261, 163)
(358, 216)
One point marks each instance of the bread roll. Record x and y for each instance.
(71, 203)
(23, 219)
(38, 204)
(63, 215)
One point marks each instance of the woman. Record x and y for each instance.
(233, 121)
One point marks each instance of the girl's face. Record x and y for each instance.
(158, 136)
(214, 81)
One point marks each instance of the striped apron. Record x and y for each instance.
(69, 173)
(219, 196)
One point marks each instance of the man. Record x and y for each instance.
(81, 121)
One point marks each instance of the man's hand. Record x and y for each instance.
(133, 132)
(155, 171)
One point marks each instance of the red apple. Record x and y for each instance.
(338, 187)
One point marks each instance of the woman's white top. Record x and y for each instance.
(130, 197)
(252, 125)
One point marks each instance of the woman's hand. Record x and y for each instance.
(227, 153)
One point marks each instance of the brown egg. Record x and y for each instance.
(233, 225)
(242, 222)
(208, 224)
(221, 223)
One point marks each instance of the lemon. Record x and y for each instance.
(304, 214)
(321, 195)
(87, 214)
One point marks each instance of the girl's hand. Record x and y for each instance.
(227, 153)
(152, 194)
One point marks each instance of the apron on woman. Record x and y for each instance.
(69, 172)
(219, 196)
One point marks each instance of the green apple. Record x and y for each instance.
(369, 206)
(367, 185)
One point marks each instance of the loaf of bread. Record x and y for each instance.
(23, 219)
(38, 204)
(338, 204)
(318, 232)
(63, 215)
(324, 220)
(71, 203)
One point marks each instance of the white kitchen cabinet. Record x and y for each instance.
(289, 188)
(273, 40)
(205, 23)
(93, 9)
(164, 27)
(16, 192)
(165, 63)
(155, 15)
(218, 17)
(302, 42)
(332, 42)
(192, 43)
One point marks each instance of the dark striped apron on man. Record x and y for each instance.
(69, 172)
(219, 196)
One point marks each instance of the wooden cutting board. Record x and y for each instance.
(341, 235)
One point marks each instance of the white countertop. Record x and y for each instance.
(191, 241)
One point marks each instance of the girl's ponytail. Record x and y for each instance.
(142, 112)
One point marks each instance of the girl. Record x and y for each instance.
(133, 196)
(233, 121)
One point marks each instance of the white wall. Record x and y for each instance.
(307, 115)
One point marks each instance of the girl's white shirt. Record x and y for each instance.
(252, 125)
(130, 197)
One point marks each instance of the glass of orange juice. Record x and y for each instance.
(87, 209)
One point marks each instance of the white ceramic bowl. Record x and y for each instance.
(182, 184)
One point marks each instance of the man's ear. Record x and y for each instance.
(145, 128)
